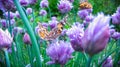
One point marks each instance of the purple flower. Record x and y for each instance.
(26, 39)
(32, 1)
(64, 6)
(76, 34)
(18, 30)
(96, 35)
(6, 5)
(71, 1)
(59, 52)
(29, 10)
(12, 21)
(108, 62)
(12, 15)
(116, 17)
(116, 35)
(24, 2)
(43, 12)
(17, 14)
(53, 22)
(5, 39)
(83, 13)
(44, 3)
(3, 23)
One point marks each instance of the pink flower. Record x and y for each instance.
(5, 39)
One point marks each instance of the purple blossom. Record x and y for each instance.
(32, 1)
(53, 22)
(43, 12)
(59, 52)
(5, 39)
(64, 6)
(108, 62)
(97, 35)
(116, 17)
(116, 35)
(12, 21)
(17, 14)
(76, 34)
(3, 23)
(29, 10)
(24, 2)
(12, 15)
(71, 1)
(26, 39)
(6, 5)
(44, 3)
(83, 13)
(18, 30)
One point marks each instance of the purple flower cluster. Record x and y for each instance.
(26, 39)
(44, 3)
(64, 6)
(59, 52)
(108, 62)
(116, 17)
(43, 12)
(5, 39)
(53, 22)
(29, 10)
(95, 37)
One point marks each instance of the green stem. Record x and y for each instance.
(49, 12)
(86, 57)
(29, 30)
(9, 23)
(89, 61)
(30, 55)
(7, 57)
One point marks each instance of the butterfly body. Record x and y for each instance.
(85, 5)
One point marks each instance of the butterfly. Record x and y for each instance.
(52, 34)
(84, 4)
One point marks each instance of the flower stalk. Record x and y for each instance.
(89, 61)
(30, 31)
(7, 57)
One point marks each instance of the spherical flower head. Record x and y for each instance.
(83, 13)
(108, 62)
(12, 15)
(6, 5)
(75, 34)
(43, 12)
(18, 30)
(64, 6)
(59, 52)
(12, 21)
(116, 18)
(29, 11)
(71, 1)
(32, 1)
(17, 14)
(44, 3)
(3, 23)
(97, 35)
(26, 38)
(116, 35)
(24, 2)
(53, 23)
(5, 39)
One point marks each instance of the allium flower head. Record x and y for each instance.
(6, 5)
(43, 12)
(75, 34)
(116, 35)
(17, 14)
(83, 13)
(64, 6)
(71, 1)
(18, 30)
(97, 35)
(26, 38)
(116, 17)
(5, 39)
(24, 2)
(3, 23)
(32, 1)
(29, 10)
(44, 3)
(53, 22)
(59, 52)
(12, 15)
(108, 62)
